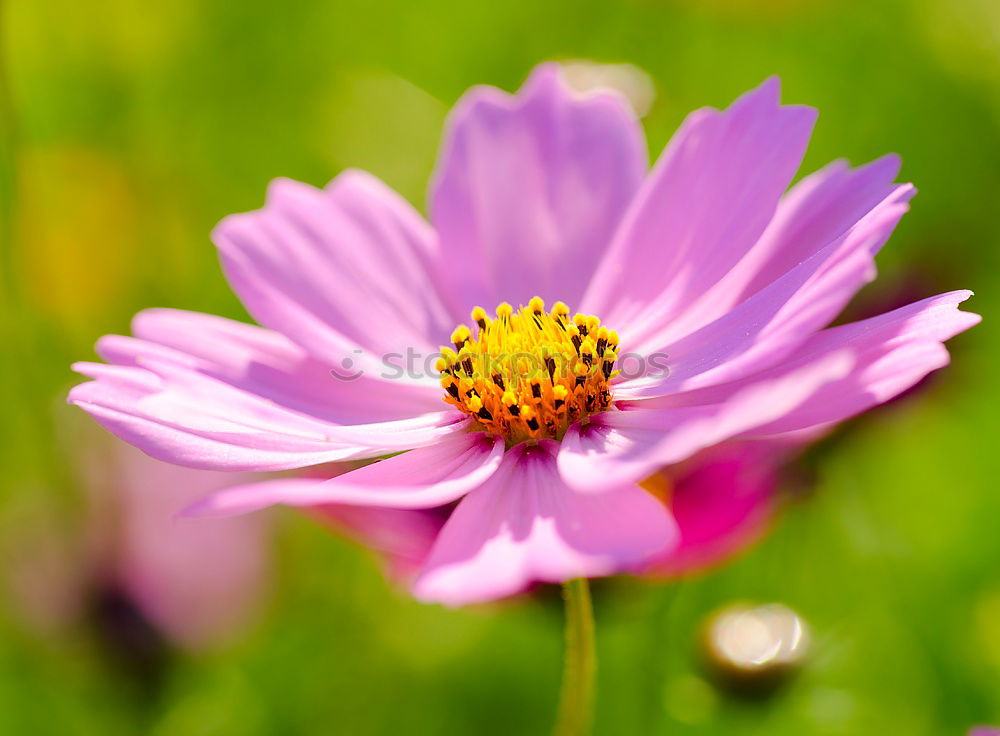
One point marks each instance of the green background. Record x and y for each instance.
(130, 128)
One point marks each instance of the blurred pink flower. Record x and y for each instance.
(984, 731)
(723, 500)
(704, 265)
(197, 582)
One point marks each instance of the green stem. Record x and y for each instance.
(576, 702)
(655, 669)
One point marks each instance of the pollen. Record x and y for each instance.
(530, 373)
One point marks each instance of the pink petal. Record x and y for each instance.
(768, 326)
(423, 478)
(709, 198)
(349, 272)
(889, 353)
(530, 187)
(816, 212)
(929, 321)
(628, 445)
(524, 525)
(180, 415)
(722, 500)
(267, 364)
(893, 351)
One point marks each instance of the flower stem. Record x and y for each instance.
(576, 701)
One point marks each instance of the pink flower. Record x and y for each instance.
(201, 584)
(723, 499)
(198, 582)
(704, 265)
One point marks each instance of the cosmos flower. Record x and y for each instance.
(131, 566)
(158, 560)
(704, 293)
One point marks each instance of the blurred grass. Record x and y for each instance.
(130, 129)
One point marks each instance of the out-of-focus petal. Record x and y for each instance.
(524, 526)
(722, 499)
(198, 581)
(530, 188)
(424, 478)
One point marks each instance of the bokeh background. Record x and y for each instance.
(129, 129)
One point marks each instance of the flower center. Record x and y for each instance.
(529, 374)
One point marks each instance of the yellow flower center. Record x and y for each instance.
(529, 374)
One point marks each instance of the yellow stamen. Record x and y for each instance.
(529, 374)
(460, 335)
(479, 317)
